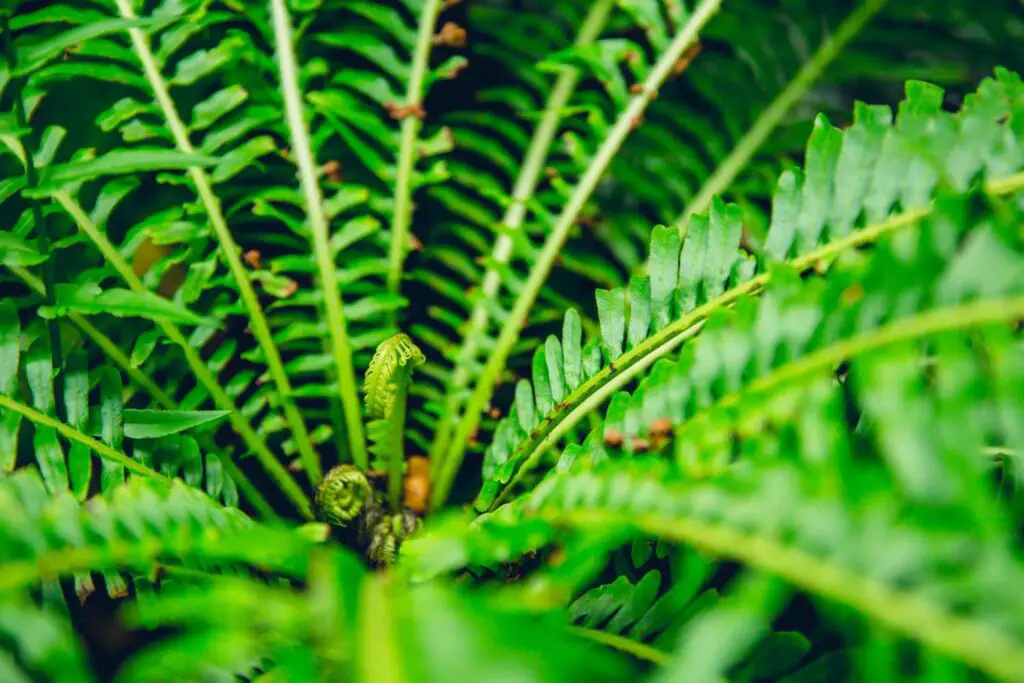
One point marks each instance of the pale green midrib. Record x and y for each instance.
(525, 185)
(107, 345)
(922, 324)
(332, 309)
(743, 152)
(113, 258)
(985, 648)
(623, 644)
(228, 249)
(72, 434)
(595, 390)
(538, 273)
(401, 215)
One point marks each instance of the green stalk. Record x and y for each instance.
(43, 235)
(624, 644)
(914, 616)
(202, 373)
(229, 250)
(740, 156)
(333, 311)
(592, 393)
(72, 434)
(512, 221)
(546, 259)
(401, 216)
(144, 381)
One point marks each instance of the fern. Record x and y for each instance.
(690, 280)
(780, 443)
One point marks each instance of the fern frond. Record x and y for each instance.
(134, 526)
(512, 220)
(364, 626)
(40, 645)
(686, 36)
(708, 266)
(386, 388)
(64, 182)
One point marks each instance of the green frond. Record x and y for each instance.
(40, 645)
(135, 526)
(388, 374)
(611, 140)
(364, 627)
(861, 176)
(387, 388)
(782, 442)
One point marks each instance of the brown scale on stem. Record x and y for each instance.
(416, 486)
(402, 111)
(687, 58)
(450, 35)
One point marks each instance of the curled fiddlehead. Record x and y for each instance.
(343, 494)
(386, 388)
(382, 532)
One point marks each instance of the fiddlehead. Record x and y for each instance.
(386, 388)
(342, 495)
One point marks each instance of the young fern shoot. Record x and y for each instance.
(386, 389)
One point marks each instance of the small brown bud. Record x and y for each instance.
(661, 427)
(451, 35)
(613, 438)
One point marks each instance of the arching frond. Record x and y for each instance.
(857, 189)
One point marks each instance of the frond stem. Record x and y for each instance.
(401, 215)
(512, 221)
(725, 173)
(68, 432)
(560, 232)
(144, 381)
(229, 250)
(333, 310)
(202, 373)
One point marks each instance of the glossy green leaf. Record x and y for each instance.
(89, 299)
(154, 424)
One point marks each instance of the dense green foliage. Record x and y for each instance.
(301, 377)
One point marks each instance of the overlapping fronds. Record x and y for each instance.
(704, 129)
(682, 25)
(782, 442)
(363, 625)
(193, 88)
(836, 432)
(39, 645)
(875, 178)
(745, 103)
